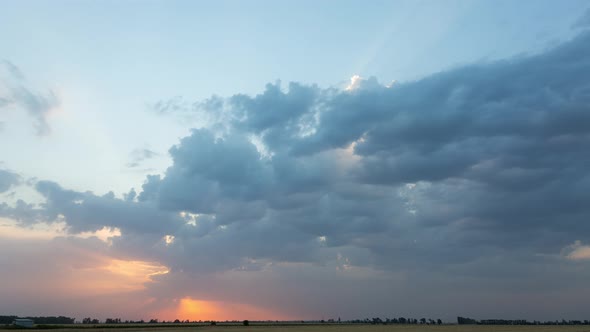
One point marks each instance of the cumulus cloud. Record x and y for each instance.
(486, 145)
(16, 92)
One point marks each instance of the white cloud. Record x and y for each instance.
(577, 251)
(355, 83)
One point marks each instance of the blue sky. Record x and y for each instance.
(254, 157)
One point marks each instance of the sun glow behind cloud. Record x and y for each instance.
(105, 234)
(116, 276)
(9, 228)
(577, 251)
(137, 272)
(188, 308)
(91, 270)
(197, 310)
(94, 273)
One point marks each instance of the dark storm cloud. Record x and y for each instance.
(16, 92)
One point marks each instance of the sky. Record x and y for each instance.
(295, 159)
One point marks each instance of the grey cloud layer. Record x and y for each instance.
(479, 173)
(88, 212)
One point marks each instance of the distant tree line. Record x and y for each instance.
(464, 320)
(39, 320)
(387, 321)
(89, 320)
(8, 319)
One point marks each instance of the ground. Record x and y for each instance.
(335, 328)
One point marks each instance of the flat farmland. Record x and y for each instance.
(344, 328)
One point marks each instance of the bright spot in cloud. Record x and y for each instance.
(263, 151)
(347, 158)
(355, 82)
(113, 276)
(105, 234)
(343, 263)
(140, 271)
(169, 239)
(11, 229)
(577, 251)
(190, 218)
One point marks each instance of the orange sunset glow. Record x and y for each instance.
(191, 309)
(138, 272)
(199, 310)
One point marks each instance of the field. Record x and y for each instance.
(344, 328)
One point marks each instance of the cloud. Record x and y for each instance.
(13, 70)
(577, 251)
(137, 156)
(89, 212)
(8, 179)
(580, 253)
(23, 212)
(583, 21)
(482, 145)
(208, 113)
(16, 92)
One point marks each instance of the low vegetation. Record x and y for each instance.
(273, 327)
